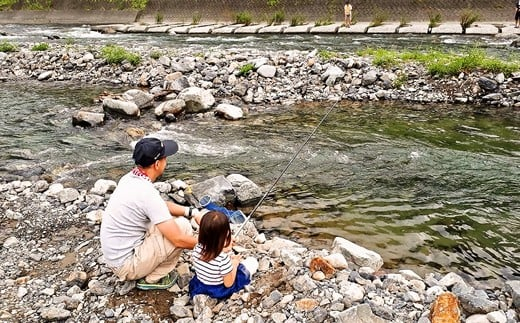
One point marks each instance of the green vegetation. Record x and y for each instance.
(6, 47)
(403, 22)
(196, 18)
(69, 41)
(155, 54)
(378, 19)
(7, 4)
(246, 69)
(298, 20)
(277, 18)
(37, 4)
(444, 63)
(435, 21)
(327, 54)
(124, 4)
(117, 55)
(243, 17)
(40, 47)
(159, 18)
(468, 18)
(401, 80)
(323, 21)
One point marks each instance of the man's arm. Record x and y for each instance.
(173, 233)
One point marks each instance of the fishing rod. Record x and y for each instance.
(285, 169)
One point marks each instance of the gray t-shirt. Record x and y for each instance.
(134, 206)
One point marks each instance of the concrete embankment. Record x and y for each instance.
(305, 11)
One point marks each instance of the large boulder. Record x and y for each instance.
(197, 99)
(120, 107)
(357, 254)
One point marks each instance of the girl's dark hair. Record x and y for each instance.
(214, 234)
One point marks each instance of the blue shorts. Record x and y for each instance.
(242, 279)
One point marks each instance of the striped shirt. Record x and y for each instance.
(213, 271)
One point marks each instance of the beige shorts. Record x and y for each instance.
(155, 257)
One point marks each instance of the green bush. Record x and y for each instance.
(40, 47)
(468, 18)
(298, 20)
(434, 20)
(246, 69)
(159, 18)
(277, 18)
(116, 55)
(37, 4)
(243, 17)
(7, 4)
(196, 18)
(6, 47)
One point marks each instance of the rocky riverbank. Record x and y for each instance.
(255, 77)
(52, 270)
(52, 267)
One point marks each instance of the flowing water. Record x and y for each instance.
(427, 187)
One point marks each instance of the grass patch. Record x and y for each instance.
(324, 21)
(7, 47)
(40, 47)
(443, 63)
(246, 69)
(116, 55)
(326, 55)
(243, 17)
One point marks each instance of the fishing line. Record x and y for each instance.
(285, 169)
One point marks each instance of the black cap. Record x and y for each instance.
(148, 150)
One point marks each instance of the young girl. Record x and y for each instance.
(217, 274)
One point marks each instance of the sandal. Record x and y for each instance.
(164, 283)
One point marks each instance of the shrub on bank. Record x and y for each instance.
(6, 47)
(40, 47)
(7, 4)
(243, 17)
(116, 55)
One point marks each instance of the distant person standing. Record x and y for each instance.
(348, 13)
(517, 14)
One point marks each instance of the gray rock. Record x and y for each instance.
(197, 99)
(513, 287)
(359, 255)
(487, 84)
(55, 313)
(121, 107)
(88, 119)
(359, 314)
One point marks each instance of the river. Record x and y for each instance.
(427, 187)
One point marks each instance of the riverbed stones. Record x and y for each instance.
(359, 255)
(121, 107)
(197, 99)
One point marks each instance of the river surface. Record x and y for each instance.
(427, 187)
